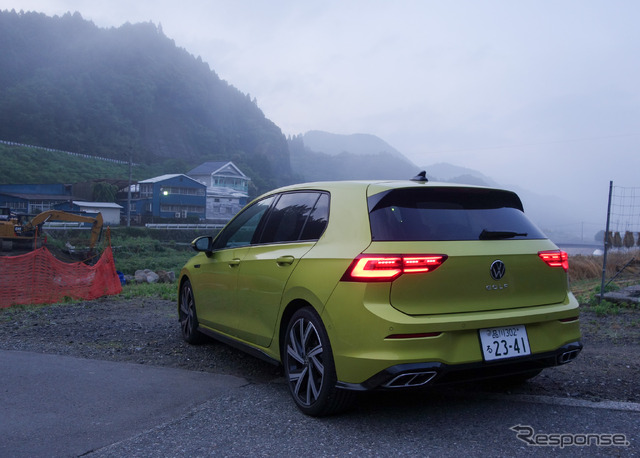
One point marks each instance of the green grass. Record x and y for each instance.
(128, 263)
(35, 165)
(144, 252)
(166, 291)
(136, 248)
(605, 308)
(587, 293)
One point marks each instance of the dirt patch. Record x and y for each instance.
(146, 331)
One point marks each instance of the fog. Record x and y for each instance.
(540, 95)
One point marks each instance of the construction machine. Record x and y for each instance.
(14, 229)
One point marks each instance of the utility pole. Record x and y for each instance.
(606, 244)
(129, 191)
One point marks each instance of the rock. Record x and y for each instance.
(626, 295)
(146, 276)
(166, 277)
(140, 276)
(152, 277)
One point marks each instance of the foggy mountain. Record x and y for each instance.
(318, 156)
(69, 85)
(555, 216)
(359, 144)
(453, 173)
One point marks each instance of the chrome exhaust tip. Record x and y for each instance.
(568, 356)
(410, 379)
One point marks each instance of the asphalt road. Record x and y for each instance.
(62, 406)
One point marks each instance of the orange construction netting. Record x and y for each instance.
(39, 278)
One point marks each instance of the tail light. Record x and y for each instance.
(555, 258)
(372, 268)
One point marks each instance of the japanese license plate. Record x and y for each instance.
(505, 342)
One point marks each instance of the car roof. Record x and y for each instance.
(371, 186)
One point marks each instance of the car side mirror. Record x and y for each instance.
(203, 244)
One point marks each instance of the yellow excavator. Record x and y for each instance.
(13, 229)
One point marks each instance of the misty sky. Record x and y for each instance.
(540, 94)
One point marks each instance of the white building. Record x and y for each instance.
(227, 188)
(110, 211)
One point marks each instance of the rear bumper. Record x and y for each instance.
(359, 322)
(435, 373)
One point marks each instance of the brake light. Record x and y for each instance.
(555, 258)
(371, 268)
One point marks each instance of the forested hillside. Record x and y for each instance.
(69, 85)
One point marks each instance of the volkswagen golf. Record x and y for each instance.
(383, 285)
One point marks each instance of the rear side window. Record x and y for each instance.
(318, 219)
(426, 214)
(296, 216)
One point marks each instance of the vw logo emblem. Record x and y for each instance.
(497, 269)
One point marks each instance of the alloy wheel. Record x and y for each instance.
(187, 315)
(306, 370)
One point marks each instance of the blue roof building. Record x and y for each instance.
(31, 199)
(175, 196)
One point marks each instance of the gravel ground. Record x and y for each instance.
(146, 331)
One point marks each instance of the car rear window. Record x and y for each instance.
(449, 213)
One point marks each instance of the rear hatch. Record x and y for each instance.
(492, 251)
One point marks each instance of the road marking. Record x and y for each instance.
(551, 400)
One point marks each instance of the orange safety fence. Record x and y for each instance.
(39, 278)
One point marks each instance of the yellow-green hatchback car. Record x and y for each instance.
(356, 286)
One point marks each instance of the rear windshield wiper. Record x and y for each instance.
(496, 235)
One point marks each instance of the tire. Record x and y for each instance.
(309, 367)
(187, 315)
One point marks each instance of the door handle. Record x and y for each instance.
(285, 260)
(234, 262)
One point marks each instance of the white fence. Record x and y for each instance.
(66, 225)
(184, 226)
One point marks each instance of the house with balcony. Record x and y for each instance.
(227, 189)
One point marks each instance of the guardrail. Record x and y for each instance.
(71, 153)
(69, 225)
(79, 225)
(184, 226)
